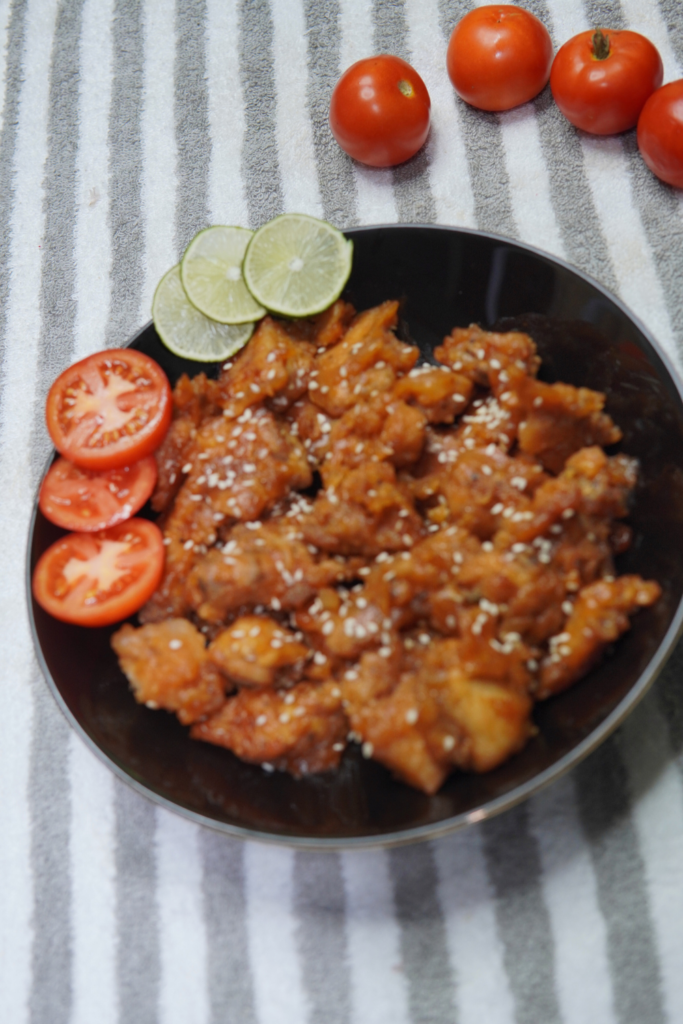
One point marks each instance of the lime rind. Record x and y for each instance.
(297, 265)
(211, 273)
(187, 332)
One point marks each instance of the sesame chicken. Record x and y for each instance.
(165, 663)
(405, 556)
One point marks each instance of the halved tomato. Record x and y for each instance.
(110, 409)
(82, 499)
(96, 579)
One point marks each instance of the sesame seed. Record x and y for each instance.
(448, 742)
(262, 719)
(367, 749)
(175, 645)
(412, 715)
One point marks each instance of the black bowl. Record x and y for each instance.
(444, 277)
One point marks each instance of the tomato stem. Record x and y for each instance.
(600, 43)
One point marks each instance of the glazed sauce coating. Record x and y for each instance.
(363, 549)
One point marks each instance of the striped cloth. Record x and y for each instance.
(126, 126)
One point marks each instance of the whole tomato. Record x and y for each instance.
(499, 56)
(379, 111)
(660, 133)
(600, 80)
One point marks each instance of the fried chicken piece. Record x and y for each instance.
(257, 651)
(165, 663)
(342, 625)
(483, 356)
(325, 329)
(264, 565)
(364, 511)
(433, 716)
(437, 391)
(560, 419)
(366, 360)
(600, 616)
(591, 484)
(273, 365)
(193, 401)
(301, 730)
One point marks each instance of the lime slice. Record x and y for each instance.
(186, 331)
(297, 265)
(211, 272)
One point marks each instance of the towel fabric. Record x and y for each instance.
(127, 125)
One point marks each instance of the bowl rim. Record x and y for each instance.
(486, 810)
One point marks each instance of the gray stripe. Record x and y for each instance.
(260, 168)
(570, 192)
(125, 172)
(424, 950)
(230, 983)
(49, 800)
(319, 906)
(49, 791)
(58, 278)
(414, 199)
(335, 170)
(604, 13)
(671, 12)
(8, 139)
(138, 963)
(514, 868)
(658, 206)
(191, 121)
(605, 815)
(484, 148)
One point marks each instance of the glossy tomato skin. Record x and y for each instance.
(88, 501)
(122, 567)
(660, 133)
(379, 111)
(110, 409)
(499, 56)
(605, 96)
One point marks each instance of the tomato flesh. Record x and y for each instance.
(605, 96)
(660, 133)
(109, 410)
(96, 579)
(82, 499)
(379, 111)
(499, 56)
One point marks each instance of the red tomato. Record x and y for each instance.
(499, 56)
(600, 80)
(660, 133)
(96, 579)
(81, 499)
(109, 410)
(379, 111)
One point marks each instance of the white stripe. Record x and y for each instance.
(529, 182)
(158, 147)
(632, 258)
(93, 247)
(378, 986)
(296, 154)
(570, 893)
(183, 996)
(657, 790)
(4, 25)
(93, 900)
(448, 171)
(19, 372)
(647, 19)
(376, 204)
(227, 200)
(271, 928)
(568, 17)
(482, 990)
